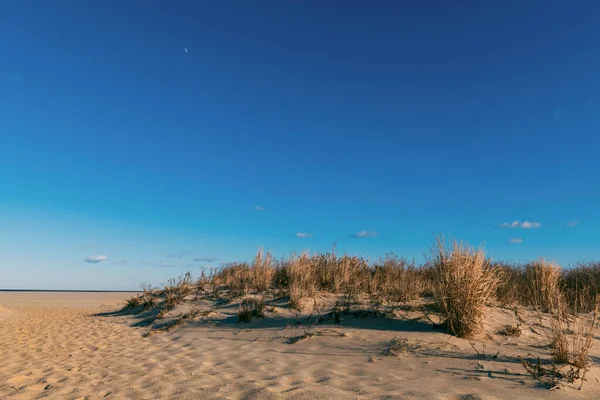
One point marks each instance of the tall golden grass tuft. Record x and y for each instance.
(262, 271)
(464, 282)
(302, 278)
(543, 281)
(237, 279)
(397, 280)
(512, 289)
(581, 286)
(571, 337)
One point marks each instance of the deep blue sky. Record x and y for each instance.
(149, 132)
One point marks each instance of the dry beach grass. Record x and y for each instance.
(315, 326)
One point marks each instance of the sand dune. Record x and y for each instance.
(57, 346)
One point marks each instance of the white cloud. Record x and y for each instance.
(178, 254)
(514, 224)
(304, 235)
(572, 224)
(363, 234)
(96, 259)
(516, 240)
(519, 224)
(205, 259)
(259, 208)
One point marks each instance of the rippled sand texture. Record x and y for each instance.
(53, 346)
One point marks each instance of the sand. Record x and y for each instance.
(57, 346)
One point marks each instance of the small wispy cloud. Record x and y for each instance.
(96, 259)
(178, 254)
(259, 208)
(572, 224)
(519, 224)
(120, 262)
(165, 266)
(364, 234)
(205, 259)
(304, 235)
(516, 240)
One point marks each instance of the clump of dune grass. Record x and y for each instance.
(262, 272)
(192, 313)
(543, 282)
(464, 283)
(179, 288)
(400, 346)
(173, 293)
(309, 332)
(237, 279)
(392, 281)
(512, 287)
(133, 302)
(511, 330)
(515, 329)
(352, 279)
(302, 279)
(251, 308)
(149, 302)
(581, 286)
(571, 337)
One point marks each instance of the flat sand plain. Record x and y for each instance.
(75, 346)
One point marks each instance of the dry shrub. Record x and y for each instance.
(176, 290)
(464, 282)
(571, 337)
(511, 330)
(325, 269)
(251, 308)
(237, 279)
(543, 282)
(262, 271)
(149, 303)
(181, 286)
(302, 278)
(181, 318)
(581, 286)
(395, 280)
(351, 278)
(133, 302)
(400, 346)
(350, 275)
(205, 282)
(512, 287)
(149, 298)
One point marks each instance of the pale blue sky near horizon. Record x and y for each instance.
(139, 140)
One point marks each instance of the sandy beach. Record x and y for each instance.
(75, 346)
